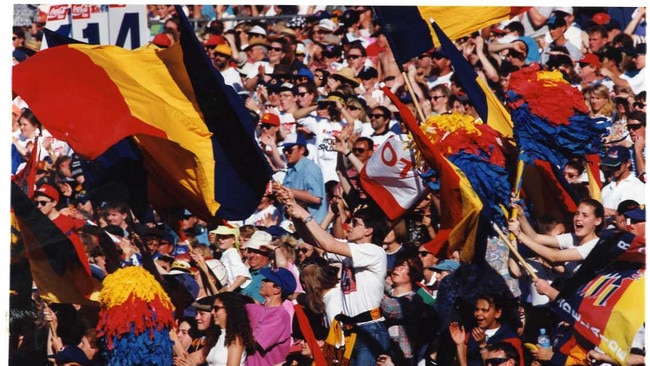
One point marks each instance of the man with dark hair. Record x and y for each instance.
(380, 120)
(556, 27)
(624, 184)
(304, 177)
(598, 38)
(363, 273)
(636, 121)
(501, 354)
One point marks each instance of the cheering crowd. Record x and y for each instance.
(317, 275)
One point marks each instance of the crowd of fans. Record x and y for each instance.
(317, 272)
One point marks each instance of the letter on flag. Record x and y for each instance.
(195, 135)
(391, 178)
(57, 262)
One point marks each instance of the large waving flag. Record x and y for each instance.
(410, 33)
(461, 205)
(58, 262)
(193, 131)
(390, 177)
(604, 300)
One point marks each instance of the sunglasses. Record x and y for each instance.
(323, 32)
(40, 203)
(353, 108)
(634, 126)
(356, 223)
(376, 115)
(288, 150)
(217, 307)
(353, 57)
(495, 361)
(438, 57)
(436, 97)
(302, 94)
(638, 105)
(359, 150)
(302, 250)
(276, 49)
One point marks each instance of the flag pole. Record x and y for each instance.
(518, 181)
(514, 251)
(418, 108)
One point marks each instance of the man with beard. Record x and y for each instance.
(221, 57)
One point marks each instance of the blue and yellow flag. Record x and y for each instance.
(193, 131)
(410, 34)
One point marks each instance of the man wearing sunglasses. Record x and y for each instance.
(501, 354)
(363, 273)
(636, 121)
(46, 197)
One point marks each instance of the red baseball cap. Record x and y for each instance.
(47, 191)
(162, 40)
(214, 40)
(270, 119)
(590, 59)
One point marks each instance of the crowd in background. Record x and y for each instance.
(317, 271)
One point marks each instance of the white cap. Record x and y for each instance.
(327, 24)
(565, 9)
(259, 239)
(258, 30)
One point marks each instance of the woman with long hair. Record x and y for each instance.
(321, 285)
(588, 221)
(235, 340)
(600, 102)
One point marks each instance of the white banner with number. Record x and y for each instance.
(391, 178)
(120, 25)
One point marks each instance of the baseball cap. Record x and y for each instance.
(223, 49)
(281, 277)
(214, 40)
(616, 155)
(625, 206)
(327, 24)
(259, 239)
(555, 21)
(47, 191)
(636, 215)
(289, 141)
(590, 59)
(204, 304)
(257, 30)
(161, 40)
(270, 119)
(367, 73)
(446, 265)
(225, 230)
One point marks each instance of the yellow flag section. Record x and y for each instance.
(460, 21)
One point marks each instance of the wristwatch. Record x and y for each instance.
(308, 219)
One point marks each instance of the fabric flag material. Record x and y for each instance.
(391, 178)
(410, 34)
(604, 301)
(57, 262)
(462, 206)
(194, 133)
(487, 105)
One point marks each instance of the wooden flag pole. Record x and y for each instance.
(514, 251)
(413, 96)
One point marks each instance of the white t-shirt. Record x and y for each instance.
(333, 300)
(234, 265)
(630, 188)
(567, 241)
(218, 355)
(324, 131)
(362, 279)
